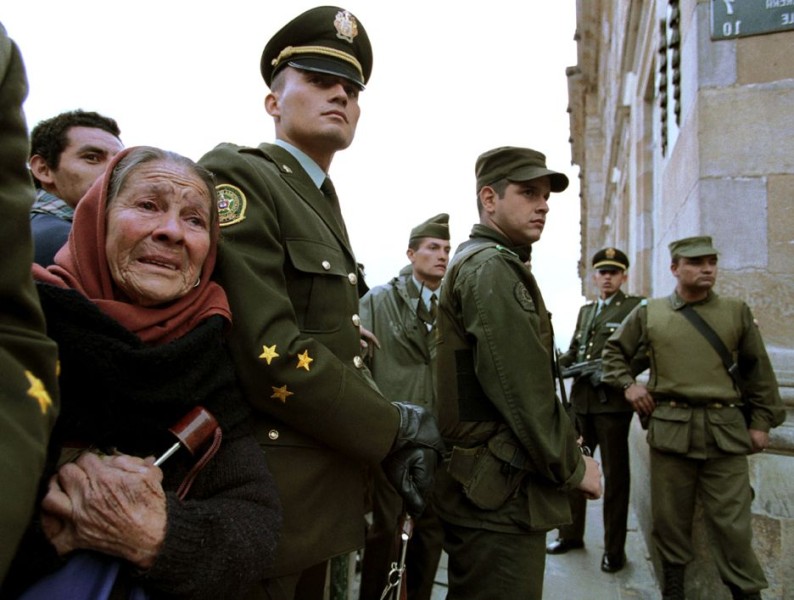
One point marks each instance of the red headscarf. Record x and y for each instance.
(82, 265)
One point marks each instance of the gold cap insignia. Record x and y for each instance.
(610, 252)
(346, 26)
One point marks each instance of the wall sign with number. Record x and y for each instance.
(740, 18)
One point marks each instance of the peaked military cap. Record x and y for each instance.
(610, 258)
(434, 227)
(515, 164)
(692, 247)
(326, 39)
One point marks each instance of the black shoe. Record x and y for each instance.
(561, 546)
(612, 564)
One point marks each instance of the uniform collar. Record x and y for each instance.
(312, 169)
(677, 302)
(483, 231)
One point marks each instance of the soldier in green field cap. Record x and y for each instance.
(294, 285)
(699, 437)
(401, 314)
(513, 452)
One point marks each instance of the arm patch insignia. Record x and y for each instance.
(231, 204)
(524, 299)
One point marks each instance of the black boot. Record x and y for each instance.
(738, 594)
(673, 585)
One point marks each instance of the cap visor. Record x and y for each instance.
(328, 66)
(559, 182)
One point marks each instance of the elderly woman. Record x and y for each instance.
(140, 328)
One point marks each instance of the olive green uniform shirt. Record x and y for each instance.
(28, 394)
(686, 372)
(513, 449)
(293, 284)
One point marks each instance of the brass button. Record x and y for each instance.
(673, 403)
(356, 320)
(358, 362)
(352, 278)
(273, 434)
(326, 265)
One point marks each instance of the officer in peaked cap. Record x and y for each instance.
(294, 284)
(326, 39)
(610, 258)
(602, 415)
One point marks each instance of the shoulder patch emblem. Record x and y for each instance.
(522, 295)
(231, 204)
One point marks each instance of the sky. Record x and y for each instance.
(449, 81)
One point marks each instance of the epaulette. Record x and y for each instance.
(500, 248)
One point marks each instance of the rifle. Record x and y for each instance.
(580, 369)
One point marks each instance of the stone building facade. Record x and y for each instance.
(680, 131)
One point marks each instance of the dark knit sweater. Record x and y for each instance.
(118, 393)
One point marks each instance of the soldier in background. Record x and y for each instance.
(603, 416)
(706, 415)
(401, 314)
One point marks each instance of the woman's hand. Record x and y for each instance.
(111, 504)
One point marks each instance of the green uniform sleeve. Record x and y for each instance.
(28, 394)
(623, 354)
(760, 387)
(513, 366)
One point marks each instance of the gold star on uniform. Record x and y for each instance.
(269, 353)
(281, 393)
(38, 393)
(304, 360)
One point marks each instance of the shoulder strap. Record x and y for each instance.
(712, 338)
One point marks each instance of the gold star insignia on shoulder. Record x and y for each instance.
(304, 360)
(269, 353)
(281, 393)
(38, 393)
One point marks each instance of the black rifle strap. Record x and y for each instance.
(712, 338)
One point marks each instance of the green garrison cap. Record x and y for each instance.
(326, 39)
(434, 227)
(692, 247)
(610, 258)
(515, 164)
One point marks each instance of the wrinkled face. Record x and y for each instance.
(609, 281)
(430, 260)
(695, 275)
(521, 213)
(85, 158)
(158, 233)
(315, 112)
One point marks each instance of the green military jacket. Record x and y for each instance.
(293, 284)
(513, 449)
(592, 332)
(29, 393)
(697, 410)
(402, 366)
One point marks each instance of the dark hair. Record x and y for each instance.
(144, 154)
(50, 137)
(499, 186)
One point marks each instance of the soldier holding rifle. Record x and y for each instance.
(602, 415)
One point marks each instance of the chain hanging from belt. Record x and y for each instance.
(395, 588)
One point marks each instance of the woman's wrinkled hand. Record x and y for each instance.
(111, 504)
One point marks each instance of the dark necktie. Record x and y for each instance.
(327, 188)
(433, 307)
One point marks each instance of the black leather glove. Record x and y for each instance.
(411, 464)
